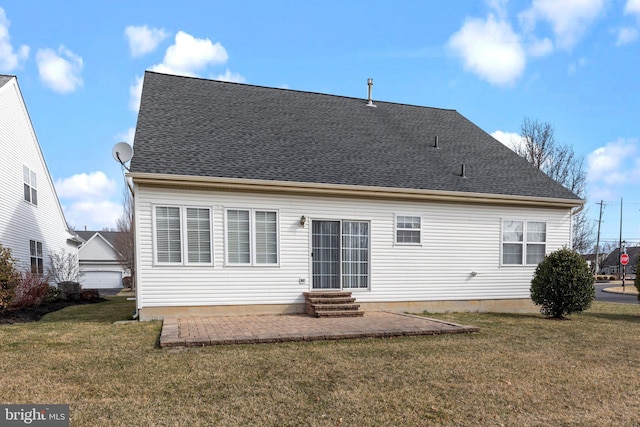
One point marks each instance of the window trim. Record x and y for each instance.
(184, 239)
(252, 237)
(396, 229)
(524, 242)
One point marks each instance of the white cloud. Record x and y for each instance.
(614, 163)
(86, 200)
(94, 215)
(569, 19)
(95, 185)
(228, 76)
(632, 7)
(187, 56)
(510, 139)
(143, 40)
(135, 93)
(60, 71)
(126, 136)
(626, 35)
(9, 60)
(491, 49)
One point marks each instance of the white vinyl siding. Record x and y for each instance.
(459, 234)
(523, 242)
(408, 230)
(38, 217)
(251, 237)
(171, 241)
(30, 186)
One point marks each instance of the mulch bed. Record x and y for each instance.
(33, 314)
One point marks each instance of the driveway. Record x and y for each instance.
(626, 298)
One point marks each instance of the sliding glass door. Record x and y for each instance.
(340, 254)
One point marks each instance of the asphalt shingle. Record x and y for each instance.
(197, 127)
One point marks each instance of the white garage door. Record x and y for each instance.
(101, 279)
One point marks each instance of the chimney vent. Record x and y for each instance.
(463, 172)
(370, 84)
(436, 142)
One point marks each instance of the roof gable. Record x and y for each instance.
(196, 127)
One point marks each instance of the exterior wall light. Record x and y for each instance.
(303, 220)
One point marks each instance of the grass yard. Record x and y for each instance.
(519, 370)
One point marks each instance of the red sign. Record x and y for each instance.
(624, 259)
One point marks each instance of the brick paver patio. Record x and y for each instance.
(199, 331)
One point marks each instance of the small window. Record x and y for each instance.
(168, 234)
(37, 262)
(198, 235)
(30, 186)
(172, 241)
(252, 237)
(523, 242)
(408, 230)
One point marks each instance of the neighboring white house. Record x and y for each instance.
(247, 197)
(32, 223)
(100, 267)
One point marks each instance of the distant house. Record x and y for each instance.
(247, 197)
(611, 262)
(100, 267)
(32, 223)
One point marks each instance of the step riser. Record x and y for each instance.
(331, 304)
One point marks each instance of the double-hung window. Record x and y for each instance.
(408, 230)
(251, 237)
(523, 242)
(182, 235)
(30, 185)
(37, 261)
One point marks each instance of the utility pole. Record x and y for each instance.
(598, 240)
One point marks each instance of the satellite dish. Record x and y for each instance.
(122, 152)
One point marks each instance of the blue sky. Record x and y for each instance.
(572, 63)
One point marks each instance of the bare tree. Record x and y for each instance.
(540, 148)
(63, 266)
(125, 239)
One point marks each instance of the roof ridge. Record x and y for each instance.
(297, 90)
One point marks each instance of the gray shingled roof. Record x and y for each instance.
(197, 127)
(109, 236)
(4, 79)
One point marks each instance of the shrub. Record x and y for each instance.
(9, 278)
(53, 295)
(562, 284)
(32, 290)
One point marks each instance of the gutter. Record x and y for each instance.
(344, 190)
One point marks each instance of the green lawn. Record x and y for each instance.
(519, 370)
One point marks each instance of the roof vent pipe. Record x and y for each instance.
(370, 84)
(436, 142)
(463, 172)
